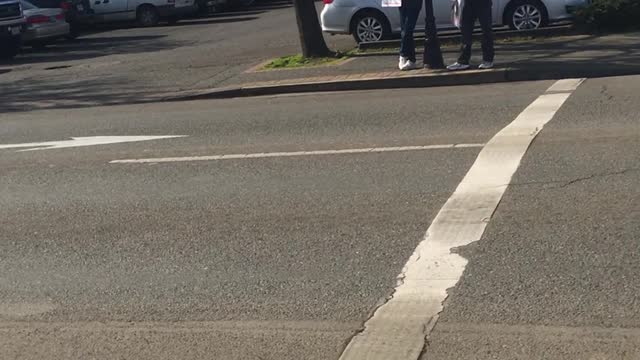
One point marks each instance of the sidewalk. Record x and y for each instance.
(517, 60)
(185, 71)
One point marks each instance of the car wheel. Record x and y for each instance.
(147, 16)
(39, 45)
(526, 15)
(10, 49)
(173, 20)
(370, 26)
(74, 32)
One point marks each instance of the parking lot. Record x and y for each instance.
(108, 64)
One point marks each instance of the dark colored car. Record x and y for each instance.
(12, 25)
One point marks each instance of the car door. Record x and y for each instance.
(109, 10)
(442, 12)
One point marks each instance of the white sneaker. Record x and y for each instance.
(457, 67)
(402, 62)
(409, 65)
(486, 65)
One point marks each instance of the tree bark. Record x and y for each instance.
(432, 53)
(311, 39)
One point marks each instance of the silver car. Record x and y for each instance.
(368, 21)
(43, 25)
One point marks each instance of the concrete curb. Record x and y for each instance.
(424, 79)
(419, 79)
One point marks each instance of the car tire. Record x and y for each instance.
(39, 45)
(526, 15)
(147, 16)
(74, 31)
(10, 49)
(370, 26)
(173, 20)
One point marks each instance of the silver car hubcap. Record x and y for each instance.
(148, 17)
(369, 29)
(527, 17)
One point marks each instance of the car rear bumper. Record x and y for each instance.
(336, 19)
(10, 32)
(48, 32)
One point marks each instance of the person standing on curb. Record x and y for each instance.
(432, 53)
(482, 11)
(409, 12)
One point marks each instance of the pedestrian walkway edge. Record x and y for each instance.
(423, 79)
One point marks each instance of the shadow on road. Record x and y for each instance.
(215, 21)
(88, 48)
(272, 7)
(234, 13)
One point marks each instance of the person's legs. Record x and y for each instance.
(432, 54)
(467, 24)
(484, 11)
(409, 12)
(404, 46)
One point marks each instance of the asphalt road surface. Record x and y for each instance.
(287, 255)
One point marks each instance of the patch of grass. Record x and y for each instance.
(298, 61)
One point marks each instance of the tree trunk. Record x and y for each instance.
(311, 38)
(432, 54)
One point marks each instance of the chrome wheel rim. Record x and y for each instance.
(369, 29)
(527, 17)
(148, 17)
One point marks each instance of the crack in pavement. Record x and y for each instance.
(567, 183)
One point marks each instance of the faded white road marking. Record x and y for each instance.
(397, 330)
(295, 153)
(17, 310)
(566, 85)
(84, 141)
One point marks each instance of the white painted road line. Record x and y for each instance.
(566, 85)
(398, 329)
(295, 153)
(84, 141)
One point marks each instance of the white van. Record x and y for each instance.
(145, 12)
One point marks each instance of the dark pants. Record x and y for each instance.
(409, 12)
(480, 10)
(432, 54)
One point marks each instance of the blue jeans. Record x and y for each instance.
(409, 12)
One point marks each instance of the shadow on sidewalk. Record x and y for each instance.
(589, 55)
(584, 56)
(34, 94)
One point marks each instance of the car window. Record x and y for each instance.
(27, 5)
(48, 4)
